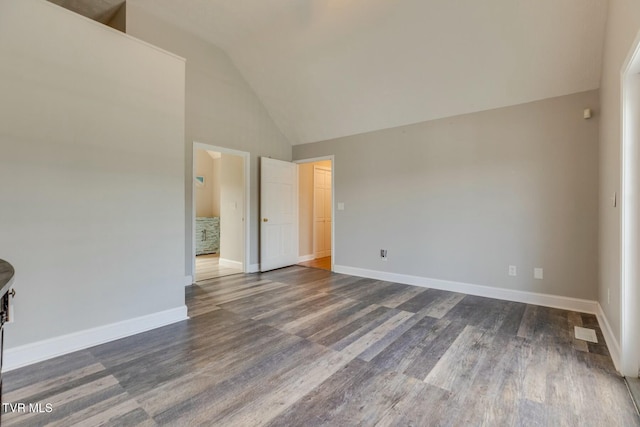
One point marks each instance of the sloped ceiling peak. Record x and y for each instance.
(98, 10)
(331, 68)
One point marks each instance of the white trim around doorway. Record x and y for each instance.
(246, 165)
(630, 206)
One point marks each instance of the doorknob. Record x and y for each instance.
(265, 220)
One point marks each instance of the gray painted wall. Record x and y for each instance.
(221, 109)
(623, 25)
(463, 198)
(91, 206)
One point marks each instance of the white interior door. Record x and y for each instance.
(321, 212)
(278, 214)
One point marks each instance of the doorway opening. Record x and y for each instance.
(315, 213)
(630, 239)
(220, 206)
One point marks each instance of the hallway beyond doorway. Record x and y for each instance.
(323, 263)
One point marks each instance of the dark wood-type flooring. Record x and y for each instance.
(306, 347)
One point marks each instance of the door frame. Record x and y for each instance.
(630, 220)
(333, 200)
(246, 166)
(313, 234)
(274, 217)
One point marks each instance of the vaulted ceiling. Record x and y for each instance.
(331, 68)
(98, 10)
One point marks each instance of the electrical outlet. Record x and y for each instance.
(538, 273)
(513, 271)
(383, 254)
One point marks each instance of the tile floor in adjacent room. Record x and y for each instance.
(208, 267)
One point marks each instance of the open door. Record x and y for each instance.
(278, 214)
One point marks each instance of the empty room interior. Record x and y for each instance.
(320, 212)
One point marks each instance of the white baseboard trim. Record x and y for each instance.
(547, 300)
(224, 262)
(304, 258)
(188, 280)
(253, 268)
(612, 343)
(46, 349)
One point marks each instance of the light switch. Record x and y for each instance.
(340, 206)
(538, 273)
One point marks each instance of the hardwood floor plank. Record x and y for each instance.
(361, 289)
(373, 291)
(423, 300)
(255, 305)
(535, 374)
(216, 401)
(96, 414)
(197, 308)
(435, 345)
(490, 314)
(377, 334)
(301, 346)
(442, 305)
(66, 401)
(57, 367)
(242, 293)
(353, 331)
(532, 414)
(335, 320)
(424, 405)
(127, 413)
(460, 364)
(317, 407)
(331, 283)
(317, 316)
(273, 399)
(296, 309)
(393, 301)
(408, 345)
(390, 338)
(575, 319)
(183, 335)
(143, 374)
(512, 317)
(223, 368)
(492, 396)
(349, 398)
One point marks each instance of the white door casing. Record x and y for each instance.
(246, 212)
(321, 211)
(278, 214)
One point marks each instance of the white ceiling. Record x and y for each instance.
(331, 68)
